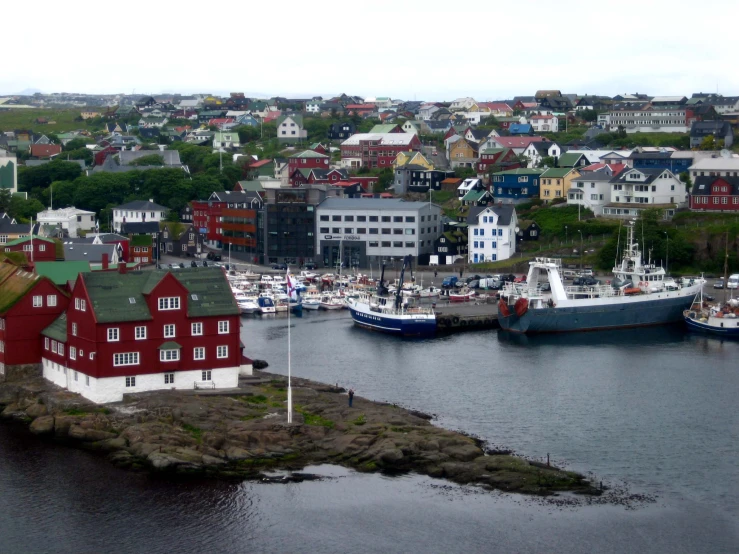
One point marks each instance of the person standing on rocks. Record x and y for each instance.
(351, 397)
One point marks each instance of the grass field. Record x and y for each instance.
(25, 119)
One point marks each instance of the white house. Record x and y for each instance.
(411, 127)
(314, 106)
(138, 211)
(426, 111)
(462, 104)
(290, 129)
(724, 165)
(544, 123)
(634, 190)
(535, 151)
(226, 139)
(71, 220)
(469, 184)
(592, 189)
(491, 233)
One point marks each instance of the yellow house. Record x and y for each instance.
(555, 182)
(463, 153)
(89, 114)
(412, 158)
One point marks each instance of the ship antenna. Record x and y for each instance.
(618, 245)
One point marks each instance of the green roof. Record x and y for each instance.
(62, 272)
(141, 240)
(58, 329)
(305, 172)
(117, 297)
(169, 345)
(15, 284)
(557, 172)
(383, 128)
(27, 239)
(308, 154)
(492, 150)
(569, 160)
(473, 195)
(252, 186)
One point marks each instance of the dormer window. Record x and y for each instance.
(169, 303)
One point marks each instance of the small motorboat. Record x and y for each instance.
(462, 295)
(248, 305)
(430, 292)
(332, 302)
(311, 303)
(266, 305)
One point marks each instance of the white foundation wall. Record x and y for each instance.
(112, 389)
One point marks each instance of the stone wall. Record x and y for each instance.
(20, 372)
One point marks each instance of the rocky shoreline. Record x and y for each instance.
(243, 433)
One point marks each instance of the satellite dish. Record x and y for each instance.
(517, 229)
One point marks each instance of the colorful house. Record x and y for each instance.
(555, 182)
(37, 249)
(142, 331)
(516, 185)
(28, 303)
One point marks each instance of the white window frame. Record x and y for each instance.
(169, 378)
(74, 329)
(125, 358)
(169, 355)
(170, 331)
(196, 328)
(72, 353)
(198, 353)
(60, 348)
(206, 375)
(46, 343)
(38, 301)
(169, 303)
(138, 333)
(114, 334)
(130, 382)
(51, 300)
(222, 352)
(223, 327)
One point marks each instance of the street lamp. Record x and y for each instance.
(581, 246)
(565, 234)
(667, 260)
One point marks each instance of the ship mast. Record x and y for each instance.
(726, 268)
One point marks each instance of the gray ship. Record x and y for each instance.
(639, 295)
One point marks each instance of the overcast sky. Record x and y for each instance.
(427, 50)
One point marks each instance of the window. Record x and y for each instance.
(184, 248)
(113, 335)
(222, 352)
(373, 218)
(168, 378)
(398, 244)
(140, 332)
(323, 230)
(410, 244)
(349, 230)
(361, 231)
(87, 380)
(386, 231)
(169, 331)
(169, 355)
(72, 353)
(222, 327)
(130, 381)
(373, 244)
(46, 343)
(38, 301)
(336, 229)
(76, 375)
(125, 358)
(361, 218)
(41, 247)
(27, 248)
(386, 218)
(385, 244)
(348, 218)
(205, 375)
(196, 328)
(500, 232)
(410, 219)
(51, 300)
(397, 231)
(335, 218)
(169, 303)
(324, 218)
(198, 353)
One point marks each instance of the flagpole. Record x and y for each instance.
(289, 357)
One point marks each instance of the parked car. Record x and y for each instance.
(449, 282)
(475, 283)
(182, 265)
(585, 273)
(214, 257)
(282, 267)
(585, 282)
(508, 278)
(310, 266)
(719, 284)
(519, 279)
(193, 264)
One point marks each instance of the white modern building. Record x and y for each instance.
(725, 164)
(491, 233)
(138, 211)
(71, 220)
(364, 231)
(544, 123)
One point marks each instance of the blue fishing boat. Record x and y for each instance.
(395, 314)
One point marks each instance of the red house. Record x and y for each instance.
(379, 149)
(232, 211)
(715, 194)
(360, 109)
(142, 331)
(307, 159)
(28, 304)
(505, 158)
(45, 151)
(100, 155)
(37, 249)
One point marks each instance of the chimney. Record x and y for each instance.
(121, 267)
(105, 260)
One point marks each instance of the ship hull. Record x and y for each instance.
(728, 332)
(422, 325)
(617, 315)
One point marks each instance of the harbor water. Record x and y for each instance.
(650, 411)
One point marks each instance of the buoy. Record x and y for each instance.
(521, 307)
(503, 308)
(455, 320)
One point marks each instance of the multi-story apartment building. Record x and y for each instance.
(364, 231)
(653, 119)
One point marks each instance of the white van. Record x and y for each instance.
(733, 281)
(569, 274)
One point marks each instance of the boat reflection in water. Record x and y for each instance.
(659, 335)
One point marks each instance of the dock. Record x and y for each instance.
(454, 317)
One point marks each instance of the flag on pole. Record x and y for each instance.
(291, 292)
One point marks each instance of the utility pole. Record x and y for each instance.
(667, 261)
(581, 247)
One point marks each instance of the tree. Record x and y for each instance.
(547, 161)
(5, 199)
(685, 178)
(22, 209)
(152, 159)
(710, 143)
(588, 115)
(74, 144)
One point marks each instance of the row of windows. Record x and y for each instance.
(481, 232)
(482, 243)
(479, 258)
(167, 355)
(388, 244)
(168, 378)
(170, 330)
(29, 247)
(724, 200)
(386, 218)
(38, 301)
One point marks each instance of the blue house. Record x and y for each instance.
(247, 119)
(521, 129)
(661, 160)
(516, 185)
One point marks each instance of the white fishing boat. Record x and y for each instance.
(248, 305)
(640, 294)
(311, 303)
(332, 302)
(464, 294)
(430, 292)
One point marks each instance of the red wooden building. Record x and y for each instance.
(28, 303)
(37, 249)
(307, 159)
(379, 149)
(504, 158)
(715, 194)
(229, 217)
(142, 331)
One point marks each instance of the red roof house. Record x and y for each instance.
(44, 151)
